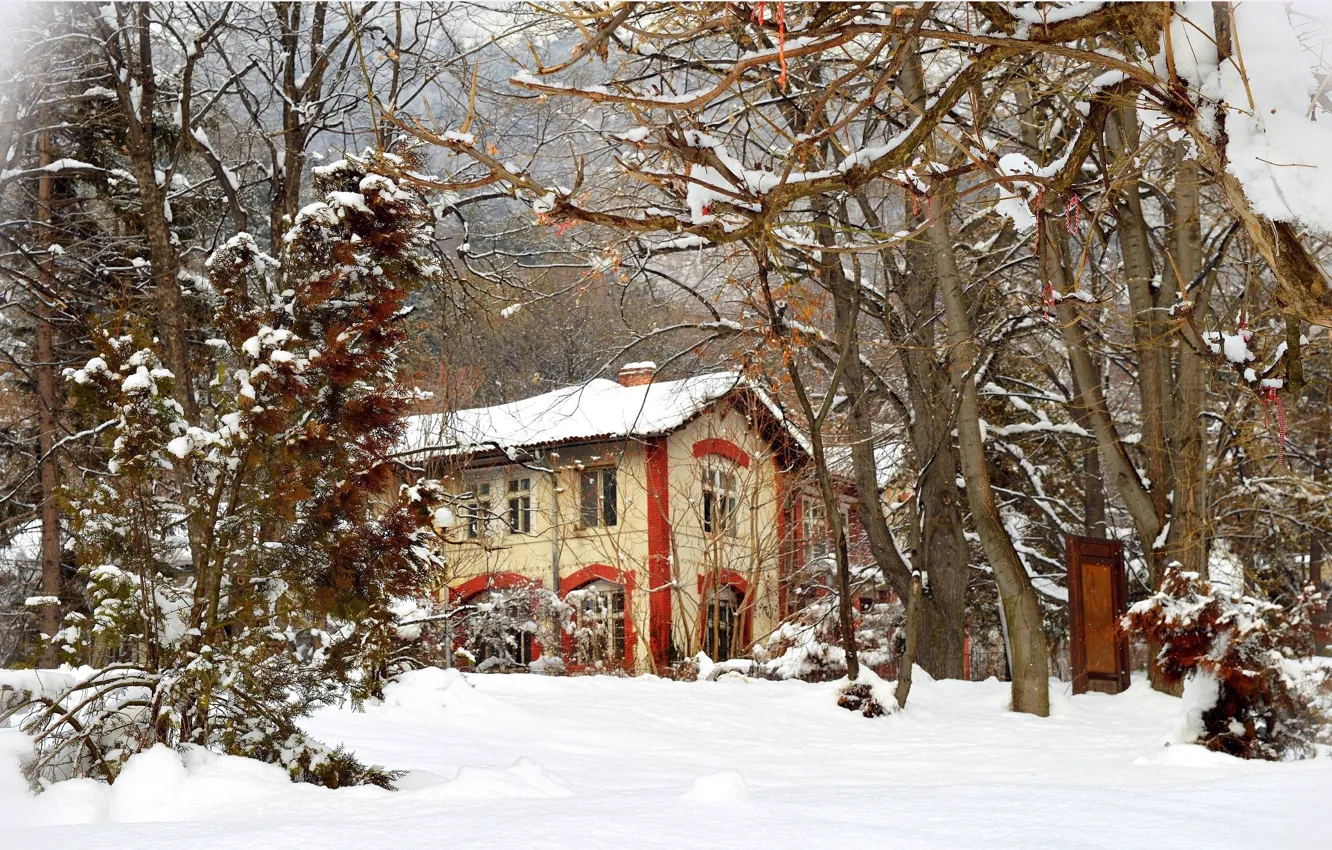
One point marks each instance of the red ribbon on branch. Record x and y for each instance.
(760, 16)
(1271, 396)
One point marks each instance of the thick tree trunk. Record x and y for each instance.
(1029, 654)
(1187, 541)
(1151, 329)
(940, 549)
(940, 553)
(1093, 483)
(46, 429)
(130, 52)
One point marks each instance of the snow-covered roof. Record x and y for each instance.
(600, 409)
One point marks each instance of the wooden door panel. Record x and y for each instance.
(1097, 594)
(1099, 624)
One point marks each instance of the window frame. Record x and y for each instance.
(814, 529)
(478, 511)
(518, 495)
(598, 504)
(609, 601)
(718, 478)
(722, 615)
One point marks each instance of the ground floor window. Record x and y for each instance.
(721, 624)
(598, 633)
(498, 626)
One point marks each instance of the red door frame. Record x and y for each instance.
(625, 579)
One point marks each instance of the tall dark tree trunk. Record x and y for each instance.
(943, 569)
(1093, 483)
(1187, 541)
(1029, 653)
(939, 551)
(46, 426)
(131, 53)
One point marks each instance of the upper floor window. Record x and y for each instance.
(814, 529)
(719, 500)
(520, 505)
(597, 498)
(478, 510)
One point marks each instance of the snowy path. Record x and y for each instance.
(608, 762)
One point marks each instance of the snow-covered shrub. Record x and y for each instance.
(296, 542)
(499, 628)
(596, 627)
(807, 645)
(860, 699)
(1253, 677)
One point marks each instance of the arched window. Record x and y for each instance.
(598, 638)
(721, 623)
(719, 497)
(498, 625)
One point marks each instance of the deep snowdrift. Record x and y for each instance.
(510, 761)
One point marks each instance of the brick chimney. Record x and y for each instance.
(637, 374)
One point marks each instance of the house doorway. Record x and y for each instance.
(721, 623)
(498, 626)
(598, 639)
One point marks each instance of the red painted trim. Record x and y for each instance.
(489, 581)
(724, 448)
(966, 655)
(725, 577)
(591, 573)
(659, 552)
(787, 526)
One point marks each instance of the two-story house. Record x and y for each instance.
(669, 514)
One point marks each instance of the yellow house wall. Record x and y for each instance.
(752, 552)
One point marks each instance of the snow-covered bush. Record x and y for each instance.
(296, 541)
(1252, 672)
(499, 628)
(807, 645)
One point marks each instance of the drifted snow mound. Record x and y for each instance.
(726, 786)
(432, 688)
(14, 791)
(523, 778)
(160, 785)
(149, 786)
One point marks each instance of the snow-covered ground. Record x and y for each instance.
(530, 761)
